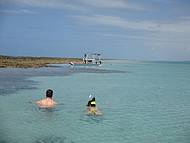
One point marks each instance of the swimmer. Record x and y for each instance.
(92, 102)
(48, 102)
(91, 107)
(71, 63)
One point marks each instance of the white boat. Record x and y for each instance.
(90, 60)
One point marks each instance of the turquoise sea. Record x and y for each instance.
(142, 102)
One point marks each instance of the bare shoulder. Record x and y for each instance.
(39, 102)
(55, 102)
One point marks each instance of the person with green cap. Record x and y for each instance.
(91, 106)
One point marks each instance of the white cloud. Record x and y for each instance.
(76, 5)
(157, 37)
(184, 17)
(113, 4)
(146, 25)
(105, 3)
(43, 3)
(20, 11)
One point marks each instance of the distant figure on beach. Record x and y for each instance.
(48, 102)
(91, 107)
(71, 63)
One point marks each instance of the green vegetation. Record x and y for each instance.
(33, 62)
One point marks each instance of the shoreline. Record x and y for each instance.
(33, 62)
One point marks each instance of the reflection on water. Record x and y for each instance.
(91, 119)
(48, 139)
(6, 141)
(14, 79)
(48, 109)
(11, 84)
(150, 104)
(54, 139)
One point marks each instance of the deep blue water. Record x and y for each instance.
(141, 102)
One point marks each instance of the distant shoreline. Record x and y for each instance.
(33, 62)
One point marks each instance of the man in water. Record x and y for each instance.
(48, 101)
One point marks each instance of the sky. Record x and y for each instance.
(123, 29)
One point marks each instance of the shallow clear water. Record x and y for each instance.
(141, 102)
